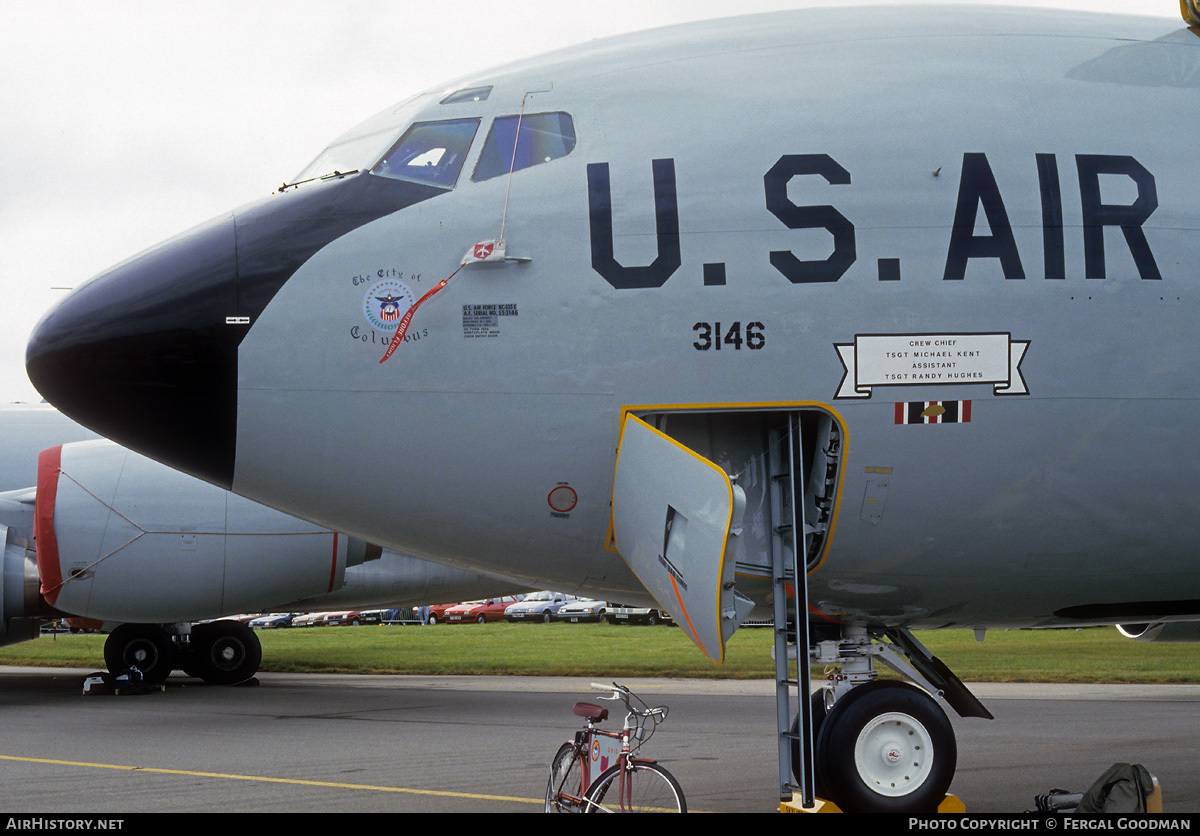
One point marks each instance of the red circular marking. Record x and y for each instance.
(563, 498)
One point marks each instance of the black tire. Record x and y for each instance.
(816, 705)
(566, 774)
(147, 647)
(547, 617)
(431, 619)
(652, 619)
(602, 617)
(480, 619)
(887, 747)
(651, 788)
(225, 652)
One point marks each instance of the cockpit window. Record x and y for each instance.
(345, 157)
(430, 152)
(468, 94)
(543, 137)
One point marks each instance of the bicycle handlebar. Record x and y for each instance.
(620, 692)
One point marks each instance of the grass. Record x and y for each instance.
(602, 650)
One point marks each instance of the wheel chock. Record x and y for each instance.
(950, 804)
(104, 684)
(820, 805)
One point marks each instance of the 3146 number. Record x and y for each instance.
(710, 336)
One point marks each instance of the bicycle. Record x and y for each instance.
(598, 771)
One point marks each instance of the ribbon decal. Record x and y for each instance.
(931, 359)
(398, 337)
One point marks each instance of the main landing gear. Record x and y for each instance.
(219, 652)
(882, 745)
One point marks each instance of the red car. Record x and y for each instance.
(491, 609)
(435, 613)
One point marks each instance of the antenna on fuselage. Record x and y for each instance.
(513, 164)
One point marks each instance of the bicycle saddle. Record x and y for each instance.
(586, 709)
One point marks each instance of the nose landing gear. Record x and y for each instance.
(884, 745)
(887, 747)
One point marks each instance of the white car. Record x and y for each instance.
(583, 610)
(538, 606)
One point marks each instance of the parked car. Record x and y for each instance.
(353, 618)
(273, 621)
(310, 619)
(585, 609)
(490, 609)
(435, 613)
(620, 614)
(537, 606)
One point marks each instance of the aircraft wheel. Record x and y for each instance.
(887, 747)
(146, 647)
(225, 652)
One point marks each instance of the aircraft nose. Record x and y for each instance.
(143, 353)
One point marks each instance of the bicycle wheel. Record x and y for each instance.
(648, 789)
(566, 777)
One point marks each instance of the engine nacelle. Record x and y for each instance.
(121, 538)
(1168, 632)
(20, 603)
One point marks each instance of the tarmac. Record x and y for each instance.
(296, 743)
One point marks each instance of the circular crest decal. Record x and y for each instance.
(386, 303)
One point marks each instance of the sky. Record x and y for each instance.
(128, 121)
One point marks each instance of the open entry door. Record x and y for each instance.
(674, 514)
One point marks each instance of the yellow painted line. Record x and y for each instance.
(266, 780)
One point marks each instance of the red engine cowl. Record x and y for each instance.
(122, 538)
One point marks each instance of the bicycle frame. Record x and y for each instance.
(592, 758)
(599, 753)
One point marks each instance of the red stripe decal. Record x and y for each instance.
(966, 412)
(49, 569)
(695, 636)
